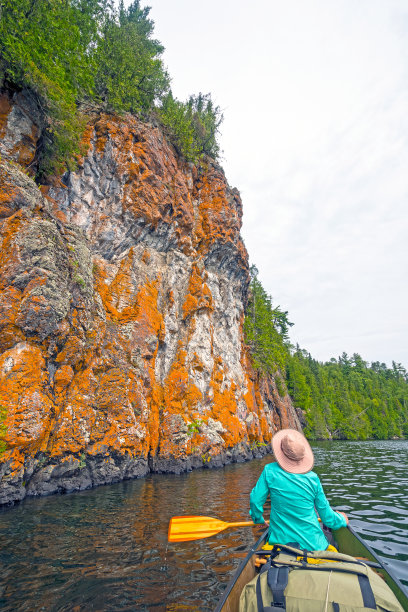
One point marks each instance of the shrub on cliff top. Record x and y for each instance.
(193, 125)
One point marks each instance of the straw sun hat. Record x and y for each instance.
(292, 451)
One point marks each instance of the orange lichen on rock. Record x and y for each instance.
(198, 296)
(62, 378)
(87, 144)
(154, 188)
(180, 394)
(224, 405)
(98, 414)
(150, 320)
(219, 210)
(24, 393)
(10, 333)
(224, 408)
(118, 295)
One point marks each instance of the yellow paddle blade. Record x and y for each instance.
(185, 528)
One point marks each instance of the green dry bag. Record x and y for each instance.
(287, 583)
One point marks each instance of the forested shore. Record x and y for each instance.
(344, 398)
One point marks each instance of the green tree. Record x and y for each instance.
(129, 71)
(266, 329)
(193, 125)
(46, 47)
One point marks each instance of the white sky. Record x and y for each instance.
(315, 137)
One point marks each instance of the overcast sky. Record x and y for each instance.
(315, 137)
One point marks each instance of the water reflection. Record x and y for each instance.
(107, 549)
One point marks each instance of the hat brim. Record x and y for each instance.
(294, 467)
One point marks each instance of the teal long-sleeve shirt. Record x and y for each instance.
(294, 501)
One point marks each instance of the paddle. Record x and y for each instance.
(185, 528)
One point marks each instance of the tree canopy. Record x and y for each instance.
(129, 72)
(68, 52)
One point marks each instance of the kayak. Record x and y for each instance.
(345, 540)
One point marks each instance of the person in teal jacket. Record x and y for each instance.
(296, 494)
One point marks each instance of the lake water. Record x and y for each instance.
(106, 549)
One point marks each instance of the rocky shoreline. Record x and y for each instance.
(83, 474)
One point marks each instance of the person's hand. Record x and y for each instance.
(345, 516)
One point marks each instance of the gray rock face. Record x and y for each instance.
(19, 127)
(122, 295)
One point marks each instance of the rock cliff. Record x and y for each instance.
(122, 294)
